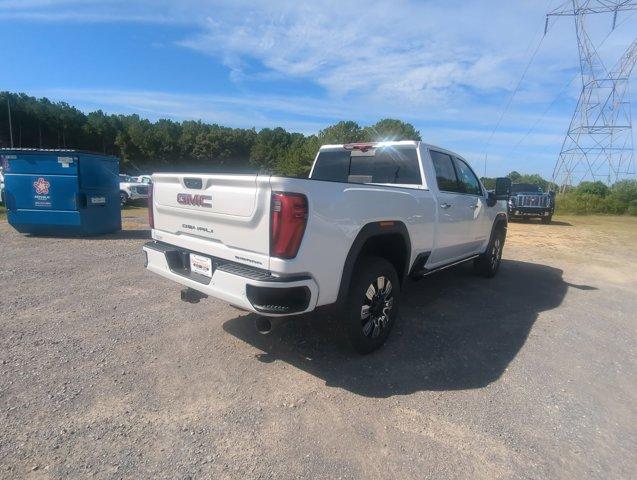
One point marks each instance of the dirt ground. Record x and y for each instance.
(105, 373)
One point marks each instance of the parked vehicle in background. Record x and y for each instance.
(369, 216)
(527, 200)
(145, 179)
(131, 190)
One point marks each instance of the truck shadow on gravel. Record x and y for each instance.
(456, 331)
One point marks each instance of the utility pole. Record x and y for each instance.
(599, 142)
(10, 126)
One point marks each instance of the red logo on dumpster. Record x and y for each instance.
(41, 186)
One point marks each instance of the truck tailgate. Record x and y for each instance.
(226, 216)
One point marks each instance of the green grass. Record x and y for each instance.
(139, 210)
(134, 207)
(3, 212)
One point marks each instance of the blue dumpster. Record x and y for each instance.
(61, 192)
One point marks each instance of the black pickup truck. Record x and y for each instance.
(528, 200)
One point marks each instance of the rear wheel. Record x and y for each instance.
(488, 263)
(123, 198)
(372, 304)
(547, 220)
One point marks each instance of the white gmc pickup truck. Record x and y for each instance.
(368, 217)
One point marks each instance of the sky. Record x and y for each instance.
(476, 77)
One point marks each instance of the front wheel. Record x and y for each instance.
(123, 198)
(547, 220)
(488, 263)
(372, 304)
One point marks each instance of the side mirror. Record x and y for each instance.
(502, 188)
(491, 200)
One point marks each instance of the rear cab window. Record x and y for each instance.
(387, 165)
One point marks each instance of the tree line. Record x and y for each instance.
(142, 144)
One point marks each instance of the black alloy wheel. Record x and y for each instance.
(372, 304)
(376, 307)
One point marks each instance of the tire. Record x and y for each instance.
(547, 220)
(526, 219)
(123, 198)
(488, 263)
(367, 321)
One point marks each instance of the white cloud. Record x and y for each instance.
(409, 52)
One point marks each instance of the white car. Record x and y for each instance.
(131, 190)
(369, 216)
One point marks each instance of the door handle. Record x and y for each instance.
(445, 205)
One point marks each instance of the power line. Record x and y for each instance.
(598, 143)
(515, 91)
(541, 117)
(563, 89)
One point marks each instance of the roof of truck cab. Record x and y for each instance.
(406, 143)
(399, 143)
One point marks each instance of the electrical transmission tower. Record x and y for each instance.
(599, 141)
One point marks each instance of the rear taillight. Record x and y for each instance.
(288, 217)
(151, 214)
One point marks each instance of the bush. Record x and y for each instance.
(593, 188)
(596, 198)
(625, 190)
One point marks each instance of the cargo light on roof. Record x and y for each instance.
(363, 147)
(367, 146)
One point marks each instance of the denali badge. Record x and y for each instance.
(194, 200)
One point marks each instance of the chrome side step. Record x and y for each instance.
(444, 267)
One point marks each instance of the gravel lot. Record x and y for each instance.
(104, 373)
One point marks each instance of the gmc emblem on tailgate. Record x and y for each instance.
(194, 200)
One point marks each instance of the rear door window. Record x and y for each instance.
(445, 172)
(466, 178)
(389, 165)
